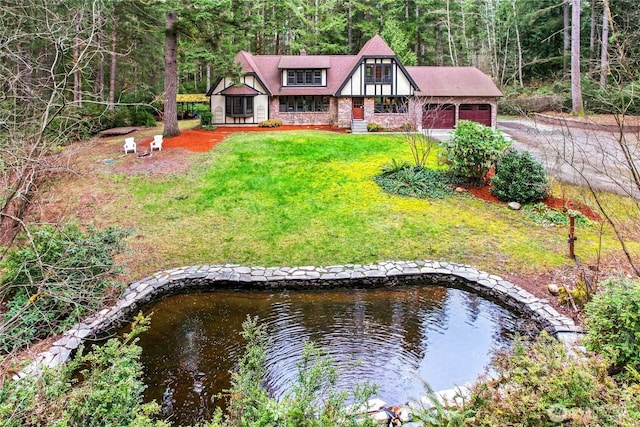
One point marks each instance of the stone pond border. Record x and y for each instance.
(142, 293)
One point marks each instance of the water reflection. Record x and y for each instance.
(391, 337)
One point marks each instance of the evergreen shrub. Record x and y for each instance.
(613, 323)
(50, 284)
(519, 178)
(206, 118)
(414, 181)
(473, 150)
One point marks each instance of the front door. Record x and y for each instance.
(357, 105)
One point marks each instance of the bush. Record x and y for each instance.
(544, 384)
(473, 150)
(271, 123)
(313, 400)
(141, 117)
(206, 118)
(414, 181)
(107, 390)
(519, 178)
(544, 215)
(613, 323)
(49, 285)
(374, 127)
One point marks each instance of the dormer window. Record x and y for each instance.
(304, 77)
(378, 73)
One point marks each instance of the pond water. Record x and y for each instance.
(394, 337)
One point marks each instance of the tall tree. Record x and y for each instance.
(170, 116)
(604, 45)
(576, 85)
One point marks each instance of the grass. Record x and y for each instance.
(309, 198)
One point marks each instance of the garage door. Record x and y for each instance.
(480, 113)
(439, 116)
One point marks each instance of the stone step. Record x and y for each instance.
(359, 126)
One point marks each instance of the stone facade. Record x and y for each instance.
(143, 293)
(305, 118)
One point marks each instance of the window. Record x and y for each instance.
(239, 106)
(307, 103)
(378, 73)
(390, 104)
(304, 78)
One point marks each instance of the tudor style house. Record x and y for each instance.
(353, 90)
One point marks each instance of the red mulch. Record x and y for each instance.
(484, 193)
(200, 140)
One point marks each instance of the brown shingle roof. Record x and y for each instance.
(243, 90)
(453, 81)
(304, 62)
(376, 47)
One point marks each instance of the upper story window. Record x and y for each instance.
(304, 77)
(378, 73)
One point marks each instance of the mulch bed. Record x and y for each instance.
(200, 140)
(484, 193)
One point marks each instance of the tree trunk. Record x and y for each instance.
(566, 37)
(77, 76)
(604, 52)
(99, 84)
(576, 87)
(592, 39)
(519, 43)
(170, 116)
(112, 72)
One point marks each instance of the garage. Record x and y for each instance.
(480, 113)
(439, 116)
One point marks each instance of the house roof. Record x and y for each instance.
(427, 81)
(453, 82)
(243, 90)
(304, 62)
(376, 47)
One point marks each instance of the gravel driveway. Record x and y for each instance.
(575, 155)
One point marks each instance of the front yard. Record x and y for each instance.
(301, 198)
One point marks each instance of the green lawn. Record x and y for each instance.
(308, 198)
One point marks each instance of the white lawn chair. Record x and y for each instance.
(156, 143)
(129, 145)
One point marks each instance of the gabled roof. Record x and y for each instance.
(453, 82)
(427, 81)
(243, 90)
(376, 47)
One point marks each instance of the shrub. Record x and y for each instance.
(271, 123)
(108, 390)
(473, 150)
(613, 323)
(519, 178)
(414, 181)
(206, 118)
(313, 400)
(545, 384)
(374, 127)
(544, 215)
(141, 117)
(48, 285)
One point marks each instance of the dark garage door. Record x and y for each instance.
(480, 113)
(438, 116)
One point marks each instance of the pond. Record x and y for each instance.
(393, 337)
